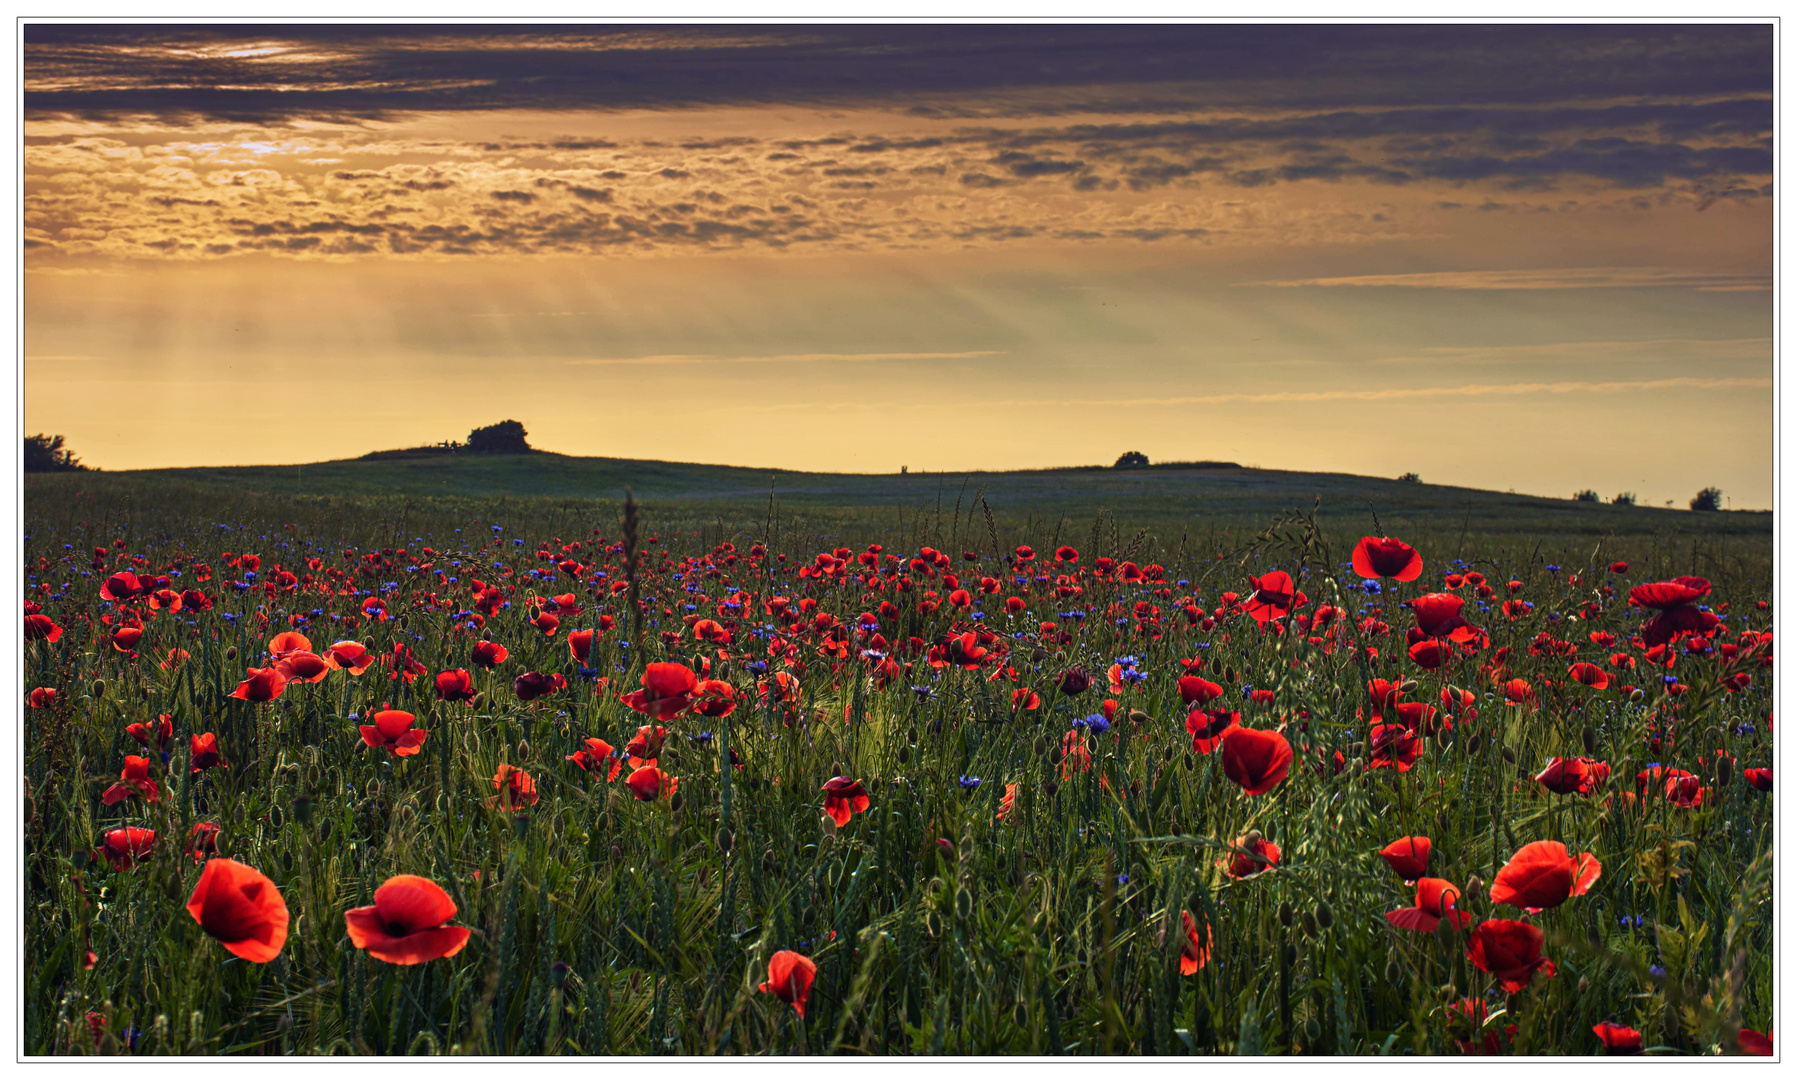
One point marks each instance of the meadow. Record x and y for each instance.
(1052, 768)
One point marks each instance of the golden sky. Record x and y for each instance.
(1500, 257)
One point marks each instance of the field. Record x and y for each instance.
(1050, 764)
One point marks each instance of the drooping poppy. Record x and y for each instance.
(595, 756)
(392, 728)
(134, 780)
(789, 978)
(1253, 855)
(1617, 1039)
(1511, 951)
(263, 684)
(1074, 681)
(1436, 900)
(488, 654)
(203, 754)
(1257, 761)
(1208, 726)
(407, 923)
(455, 685)
(240, 906)
(667, 691)
(125, 848)
(844, 798)
(649, 783)
(350, 656)
(1542, 875)
(516, 789)
(1194, 954)
(1383, 557)
(535, 684)
(1409, 856)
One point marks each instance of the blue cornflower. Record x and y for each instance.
(1371, 587)
(968, 783)
(1095, 722)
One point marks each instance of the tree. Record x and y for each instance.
(1708, 499)
(505, 437)
(45, 453)
(1587, 496)
(1133, 459)
(1625, 498)
(1410, 478)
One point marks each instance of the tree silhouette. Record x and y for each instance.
(45, 453)
(1708, 499)
(1133, 459)
(505, 437)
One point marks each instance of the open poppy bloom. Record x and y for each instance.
(487, 654)
(125, 638)
(202, 840)
(1618, 1039)
(516, 789)
(594, 757)
(1438, 615)
(39, 627)
(1274, 597)
(407, 923)
(121, 587)
(1589, 674)
(1408, 855)
(714, 698)
(1675, 601)
(1197, 690)
(533, 684)
(1024, 699)
(1761, 779)
(455, 685)
(1573, 776)
(1208, 726)
(1393, 746)
(1194, 954)
(1383, 557)
(125, 848)
(203, 754)
(789, 978)
(1436, 900)
(302, 667)
(580, 644)
(240, 907)
(44, 697)
(1518, 692)
(1511, 951)
(264, 684)
(288, 643)
(350, 656)
(649, 783)
(153, 736)
(666, 693)
(393, 730)
(843, 798)
(1254, 855)
(1257, 761)
(645, 746)
(1542, 875)
(134, 780)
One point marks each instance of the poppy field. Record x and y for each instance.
(501, 778)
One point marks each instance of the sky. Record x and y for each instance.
(1530, 258)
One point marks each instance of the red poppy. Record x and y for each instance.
(533, 684)
(1194, 954)
(288, 642)
(1619, 568)
(1436, 900)
(1753, 1044)
(264, 684)
(1383, 557)
(1274, 597)
(1761, 779)
(1428, 654)
(455, 685)
(121, 587)
(843, 798)
(1075, 758)
(1589, 674)
(547, 623)
(407, 923)
(240, 907)
(1257, 761)
(1197, 690)
(645, 746)
(203, 754)
(1573, 776)
(1074, 681)
(174, 659)
(1438, 614)
(350, 656)
(125, 848)
(789, 978)
(1618, 1040)
(302, 667)
(487, 654)
(165, 600)
(649, 782)
(1542, 875)
(1393, 746)
(125, 638)
(593, 758)
(156, 735)
(1253, 855)
(714, 698)
(580, 643)
(666, 693)
(202, 840)
(1675, 601)
(41, 628)
(1511, 951)
(1006, 804)
(194, 600)
(44, 697)
(516, 789)
(1208, 726)
(1409, 856)
(1023, 699)
(134, 780)
(1518, 692)
(1422, 719)
(393, 730)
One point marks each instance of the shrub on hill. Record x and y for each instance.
(45, 453)
(505, 437)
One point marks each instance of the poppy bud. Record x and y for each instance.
(1725, 771)
(1054, 757)
(521, 822)
(1590, 737)
(964, 904)
(1636, 695)
(1447, 991)
(1313, 1031)
(1509, 755)
(1254, 837)
(1291, 955)
(1325, 914)
(1021, 1014)
(1356, 749)
(904, 755)
(829, 824)
(1050, 788)
(1441, 738)
(1475, 887)
(1040, 746)
(1394, 971)
(559, 972)
(1038, 654)
(1137, 716)
(1584, 983)
(1472, 744)
(932, 924)
(477, 701)
(1229, 674)
(230, 652)
(1285, 914)
(302, 809)
(1191, 762)
(99, 687)
(404, 622)
(676, 801)
(767, 861)
(724, 841)
(1308, 924)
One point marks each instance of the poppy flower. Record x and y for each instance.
(125, 638)
(488, 654)
(843, 798)
(1006, 804)
(1074, 681)
(516, 789)
(240, 907)
(1024, 699)
(1573, 776)
(202, 840)
(1675, 601)
(1753, 1044)
(133, 780)
(1383, 557)
(156, 735)
(41, 628)
(1436, 900)
(1589, 674)
(350, 656)
(1409, 856)
(263, 684)
(1208, 726)
(302, 667)
(44, 697)
(121, 587)
(532, 685)
(1511, 951)
(125, 848)
(455, 685)
(288, 642)
(1253, 855)
(1438, 614)
(393, 730)
(1761, 779)
(714, 698)
(580, 644)
(1428, 654)
(649, 782)
(592, 759)
(1274, 597)
(1618, 1040)
(1194, 954)
(666, 693)
(1257, 761)
(789, 978)
(407, 923)
(1422, 719)
(1542, 875)
(645, 746)
(1518, 692)
(203, 754)
(1075, 758)
(1197, 690)
(194, 600)
(1393, 746)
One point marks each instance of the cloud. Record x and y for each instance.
(1594, 351)
(1594, 277)
(787, 358)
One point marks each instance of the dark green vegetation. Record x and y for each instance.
(1058, 930)
(46, 453)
